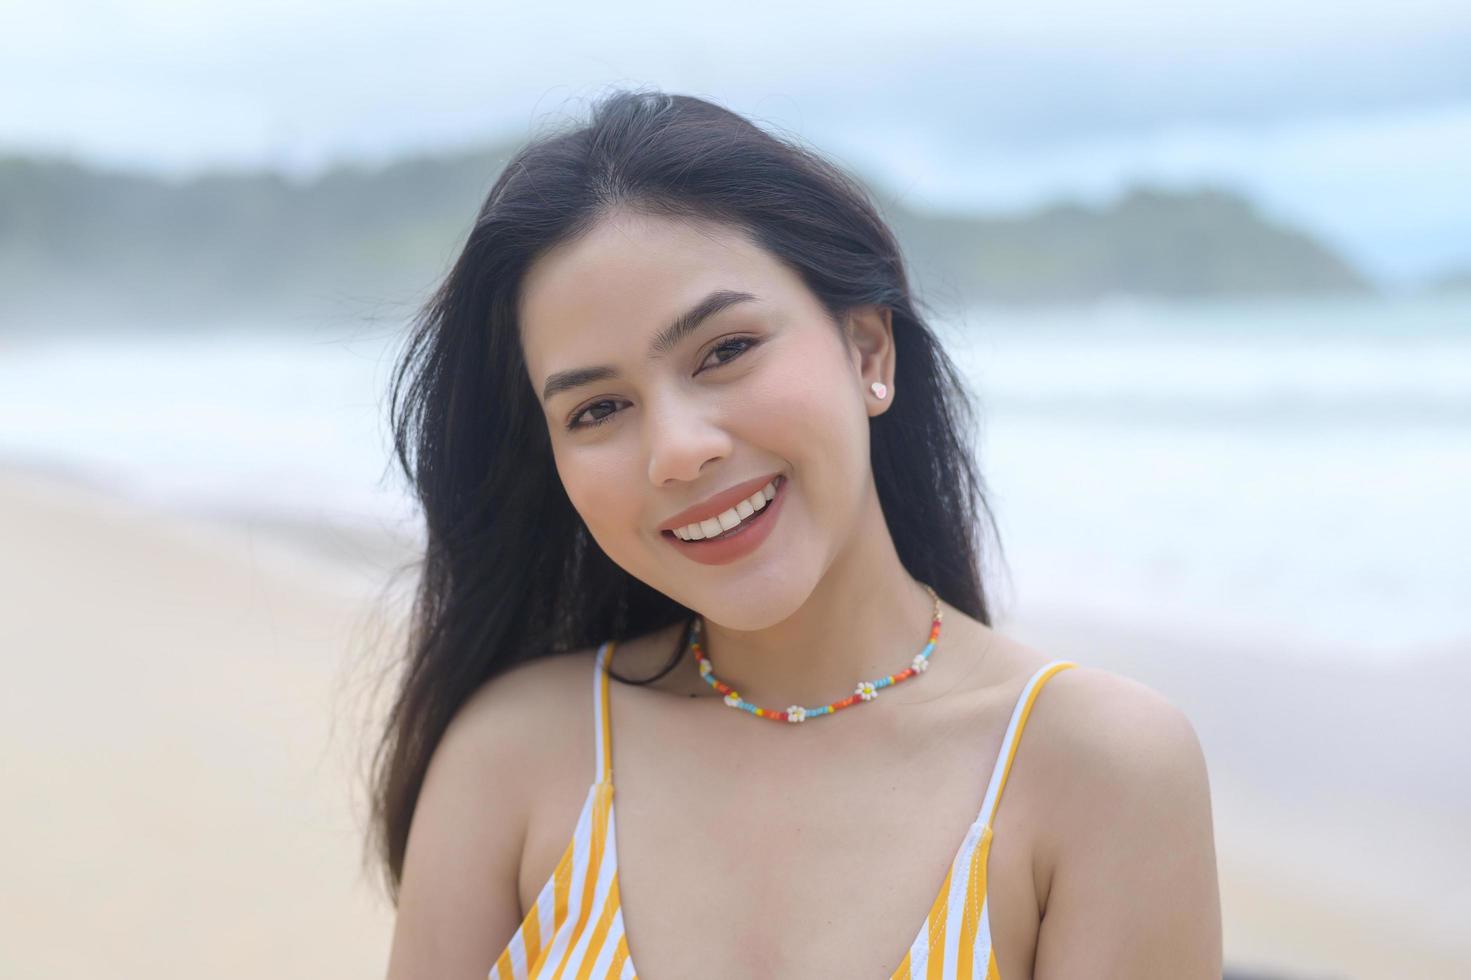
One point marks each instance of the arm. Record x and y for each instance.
(1132, 891)
(458, 904)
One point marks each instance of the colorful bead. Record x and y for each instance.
(865, 691)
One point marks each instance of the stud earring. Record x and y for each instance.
(879, 389)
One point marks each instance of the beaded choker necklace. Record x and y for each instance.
(865, 691)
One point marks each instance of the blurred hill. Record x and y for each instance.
(1454, 281)
(84, 245)
(1149, 242)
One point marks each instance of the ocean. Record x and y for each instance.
(1298, 468)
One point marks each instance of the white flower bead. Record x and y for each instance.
(733, 699)
(866, 690)
(796, 713)
(921, 663)
(704, 668)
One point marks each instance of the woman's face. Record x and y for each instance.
(762, 386)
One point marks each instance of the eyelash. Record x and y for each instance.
(573, 424)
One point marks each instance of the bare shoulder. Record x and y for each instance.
(520, 728)
(1123, 840)
(1125, 847)
(530, 713)
(1092, 737)
(1093, 719)
(1091, 732)
(1110, 754)
(526, 736)
(458, 900)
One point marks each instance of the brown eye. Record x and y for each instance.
(574, 424)
(739, 344)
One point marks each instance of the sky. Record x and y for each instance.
(1352, 119)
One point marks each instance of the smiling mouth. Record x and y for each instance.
(745, 525)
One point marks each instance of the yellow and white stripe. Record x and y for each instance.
(575, 928)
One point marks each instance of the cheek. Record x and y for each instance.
(599, 483)
(808, 399)
(806, 412)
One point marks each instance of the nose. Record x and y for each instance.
(681, 436)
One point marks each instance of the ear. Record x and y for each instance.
(870, 335)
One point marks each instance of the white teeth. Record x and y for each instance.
(726, 520)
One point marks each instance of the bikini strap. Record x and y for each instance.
(601, 724)
(1013, 736)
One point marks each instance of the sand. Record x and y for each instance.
(178, 749)
(187, 706)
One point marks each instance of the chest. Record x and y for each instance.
(786, 859)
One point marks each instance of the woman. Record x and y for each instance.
(685, 445)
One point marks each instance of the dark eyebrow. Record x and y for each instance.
(664, 342)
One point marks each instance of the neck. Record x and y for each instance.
(866, 618)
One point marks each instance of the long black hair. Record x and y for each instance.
(510, 571)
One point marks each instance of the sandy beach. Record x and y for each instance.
(179, 748)
(187, 705)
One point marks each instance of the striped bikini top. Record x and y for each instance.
(575, 929)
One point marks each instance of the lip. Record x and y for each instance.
(718, 504)
(743, 540)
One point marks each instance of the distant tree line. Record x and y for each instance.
(79, 243)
